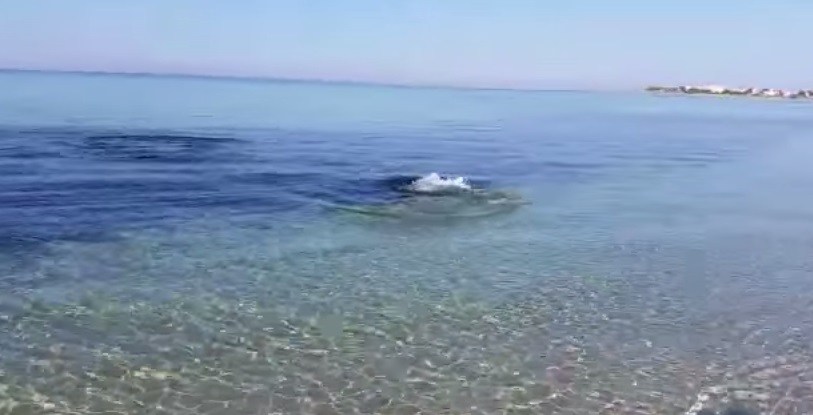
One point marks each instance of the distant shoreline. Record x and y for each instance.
(720, 90)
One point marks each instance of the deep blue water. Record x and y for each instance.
(671, 234)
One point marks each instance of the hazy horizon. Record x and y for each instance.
(304, 80)
(583, 45)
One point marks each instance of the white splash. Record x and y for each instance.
(435, 183)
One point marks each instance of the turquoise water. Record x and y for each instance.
(183, 246)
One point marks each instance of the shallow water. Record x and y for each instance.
(172, 245)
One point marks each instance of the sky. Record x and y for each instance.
(603, 44)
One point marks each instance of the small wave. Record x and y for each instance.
(434, 183)
(429, 184)
(433, 197)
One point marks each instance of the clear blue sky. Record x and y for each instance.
(518, 43)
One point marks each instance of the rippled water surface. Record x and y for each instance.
(202, 246)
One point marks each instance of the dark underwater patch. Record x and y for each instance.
(160, 148)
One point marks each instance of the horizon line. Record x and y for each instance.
(259, 78)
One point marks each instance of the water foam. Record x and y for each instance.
(435, 183)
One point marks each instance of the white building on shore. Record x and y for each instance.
(721, 90)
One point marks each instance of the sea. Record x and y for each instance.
(190, 245)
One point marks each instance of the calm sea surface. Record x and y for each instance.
(183, 246)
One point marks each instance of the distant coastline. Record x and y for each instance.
(720, 90)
